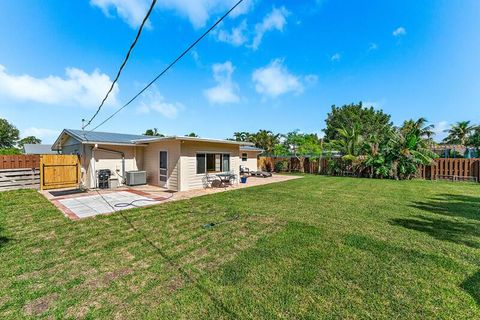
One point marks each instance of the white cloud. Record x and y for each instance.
(236, 37)
(439, 130)
(130, 11)
(226, 90)
(335, 57)
(78, 88)
(154, 101)
(275, 20)
(46, 135)
(400, 31)
(275, 80)
(198, 12)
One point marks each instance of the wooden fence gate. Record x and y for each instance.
(59, 171)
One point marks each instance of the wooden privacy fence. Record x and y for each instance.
(452, 169)
(59, 171)
(20, 161)
(293, 164)
(449, 168)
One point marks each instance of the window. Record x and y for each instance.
(244, 156)
(226, 162)
(212, 162)
(200, 163)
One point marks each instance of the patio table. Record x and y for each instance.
(225, 178)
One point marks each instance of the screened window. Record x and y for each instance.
(212, 162)
(201, 163)
(244, 157)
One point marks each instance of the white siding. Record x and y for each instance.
(189, 149)
(112, 161)
(152, 162)
(251, 162)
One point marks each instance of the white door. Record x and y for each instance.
(163, 169)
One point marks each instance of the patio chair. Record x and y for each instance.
(244, 170)
(233, 179)
(210, 181)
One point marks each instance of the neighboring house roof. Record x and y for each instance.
(38, 149)
(89, 137)
(250, 148)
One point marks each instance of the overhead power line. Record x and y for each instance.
(169, 66)
(123, 63)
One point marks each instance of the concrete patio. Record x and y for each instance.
(97, 202)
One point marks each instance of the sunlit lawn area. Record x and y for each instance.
(316, 247)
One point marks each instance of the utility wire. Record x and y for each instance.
(123, 63)
(169, 66)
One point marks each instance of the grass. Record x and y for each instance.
(316, 247)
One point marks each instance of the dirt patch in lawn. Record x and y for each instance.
(41, 305)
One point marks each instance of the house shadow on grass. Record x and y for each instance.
(472, 286)
(465, 233)
(452, 205)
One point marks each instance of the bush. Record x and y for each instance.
(9, 151)
(281, 166)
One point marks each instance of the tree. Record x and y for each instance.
(302, 143)
(242, 136)
(419, 127)
(474, 139)
(266, 140)
(459, 133)
(28, 140)
(371, 122)
(192, 134)
(9, 134)
(153, 132)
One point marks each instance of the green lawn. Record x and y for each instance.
(316, 247)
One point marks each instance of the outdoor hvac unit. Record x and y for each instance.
(136, 178)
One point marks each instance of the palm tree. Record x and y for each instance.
(350, 141)
(459, 133)
(419, 128)
(241, 136)
(266, 140)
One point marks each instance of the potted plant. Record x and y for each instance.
(243, 179)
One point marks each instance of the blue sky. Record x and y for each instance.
(276, 65)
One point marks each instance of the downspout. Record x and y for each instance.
(117, 152)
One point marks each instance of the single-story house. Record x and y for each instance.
(176, 163)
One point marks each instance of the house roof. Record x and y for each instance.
(38, 149)
(251, 148)
(197, 139)
(92, 137)
(89, 137)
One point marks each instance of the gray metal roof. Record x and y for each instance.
(251, 148)
(38, 149)
(88, 137)
(108, 137)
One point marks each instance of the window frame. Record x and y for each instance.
(244, 159)
(214, 153)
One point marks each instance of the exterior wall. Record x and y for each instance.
(100, 159)
(151, 163)
(251, 162)
(189, 179)
(72, 146)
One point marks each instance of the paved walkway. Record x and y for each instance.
(90, 206)
(96, 202)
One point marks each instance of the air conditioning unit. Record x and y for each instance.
(136, 178)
